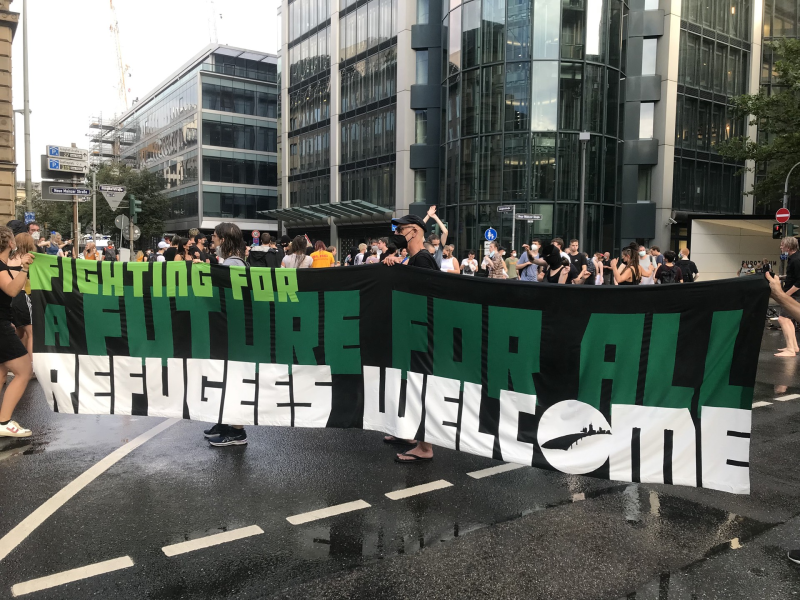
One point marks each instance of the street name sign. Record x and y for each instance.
(506, 208)
(113, 194)
(66, 152)
(63, 193)
(783, 215)
(528, 217)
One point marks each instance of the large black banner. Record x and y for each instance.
(649, 384)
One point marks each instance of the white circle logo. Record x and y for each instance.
(574, 437)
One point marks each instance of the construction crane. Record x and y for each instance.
(123, 68)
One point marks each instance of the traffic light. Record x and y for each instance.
(777, 231)
(136, 207)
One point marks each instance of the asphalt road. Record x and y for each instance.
(139, 526)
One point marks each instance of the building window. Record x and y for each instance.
(240, 170)
(646, 120)
(421, 127)
(422, 67)
(420, 183)
(649, 47)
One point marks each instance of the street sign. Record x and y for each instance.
(507, 208)
(528, 217)
(65, 152)
(137, 233)
(113, 194)
(30, 217)
(67, 165)
(255, 233)
(490, 235)
(122, 222)
(783, 215)
(60, 192)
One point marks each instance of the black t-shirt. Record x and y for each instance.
(424, 260)
(6, 314)
(195, 252)
(169, 254)
(688, 269)
(792, 274)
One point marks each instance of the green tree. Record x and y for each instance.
(145, 186)
(778, 118)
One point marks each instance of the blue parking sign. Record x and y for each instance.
(490, 235)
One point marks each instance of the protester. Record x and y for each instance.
(372, 256)
(607, 275)
(529, 262)
(350, 258)
(469, 266)
(198, 251)
(409, 234)
(655, 252)
(23, 312)
(597, 261)
(631, 273)
(139, 256)
(332, 250)
(361, 255)
(403, 256)
(765, 266)
(791, 309)
(511, 265)
(559, 269)
(228, 238)
(669, 272)
(791, 284)
(688, 268)
(321, 258)
(493, 263)
(13, 354)
(36, 233)
(54, 247)
(434, 239)
(162, 247)
(296, 257)
(90, 252)
(449, 263)
(647, 265)
(110, 253)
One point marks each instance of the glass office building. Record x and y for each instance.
(472, 105)
(212, 131)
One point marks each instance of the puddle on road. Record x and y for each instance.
(20, 447)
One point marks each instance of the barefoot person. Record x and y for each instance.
(791, 286)
(791, 309)
(410, 234)
(13, 354)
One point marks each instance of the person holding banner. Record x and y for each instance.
(410, 234)
(789, 309)
(227, 237)
(13, 354)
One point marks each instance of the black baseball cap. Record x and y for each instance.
(285, 240)
(411, 220)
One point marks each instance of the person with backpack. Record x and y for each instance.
(688, 268)
(669, 272)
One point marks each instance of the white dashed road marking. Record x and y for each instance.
(43, 583)
(212, 540)
(17, 535)
(761, 403)
(789, 397)
(331, 511)
(418, 489)
(494, 470)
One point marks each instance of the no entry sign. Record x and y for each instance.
(782, 216)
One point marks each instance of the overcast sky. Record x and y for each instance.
(73, 63)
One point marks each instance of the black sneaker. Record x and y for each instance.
(218, 429)
(794, 556)
(231, 437)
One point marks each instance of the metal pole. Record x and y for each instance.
(94, 207)
(584, 137)
(513, 225)
(27, 109)
(786, 188)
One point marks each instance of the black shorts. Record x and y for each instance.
(11, 348)
(21, 305)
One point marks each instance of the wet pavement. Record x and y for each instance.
(522, 533)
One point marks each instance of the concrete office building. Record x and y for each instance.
(211, 130)
(470, 105)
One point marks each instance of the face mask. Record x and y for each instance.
(513, 255)
(35, 235)
(218, 251)
(400, 241)
(491, 254)
(642, 253)
(535, 247)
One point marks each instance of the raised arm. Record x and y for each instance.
(432, 215)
